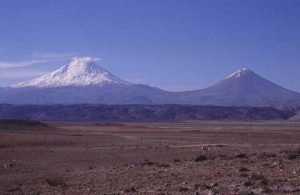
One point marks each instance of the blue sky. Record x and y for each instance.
(172, 44)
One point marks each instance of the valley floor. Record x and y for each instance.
(155, 158)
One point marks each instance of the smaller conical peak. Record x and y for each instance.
(240, 73)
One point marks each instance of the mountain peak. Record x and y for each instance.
(84, 65)
(240, 73)
(79, 72)
(87, 63)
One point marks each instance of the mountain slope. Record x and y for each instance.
(106, 94)
(243, 87)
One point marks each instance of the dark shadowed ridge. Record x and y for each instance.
(127, 113)
(21, 124)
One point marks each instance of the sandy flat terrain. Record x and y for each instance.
(151, 158)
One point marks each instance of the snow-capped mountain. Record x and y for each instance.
(243, 87)
(80, 72)
(240, 73)
(83, 81)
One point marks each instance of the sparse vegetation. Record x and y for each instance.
(54, 180)
(146, 162)
(258, 177)
(248, 183)
(241, 155)
(130, 190)
(293, 154)
(183, 189)
(200, 158)
(244, 174)
(202, 187)
(243, 169)
(15, 191)
(265, 155)
(224, 157)
(163, 165)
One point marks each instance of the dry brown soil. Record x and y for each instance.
(152, 158)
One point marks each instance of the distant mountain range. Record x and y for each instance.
(127, 113)
(84, 82)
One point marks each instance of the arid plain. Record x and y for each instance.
(150, 158)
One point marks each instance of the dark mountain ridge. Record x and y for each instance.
(105, 113)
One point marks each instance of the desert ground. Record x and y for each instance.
(151, 158)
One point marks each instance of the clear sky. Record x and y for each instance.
(172, 44)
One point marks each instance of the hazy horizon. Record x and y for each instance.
(173, 45)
